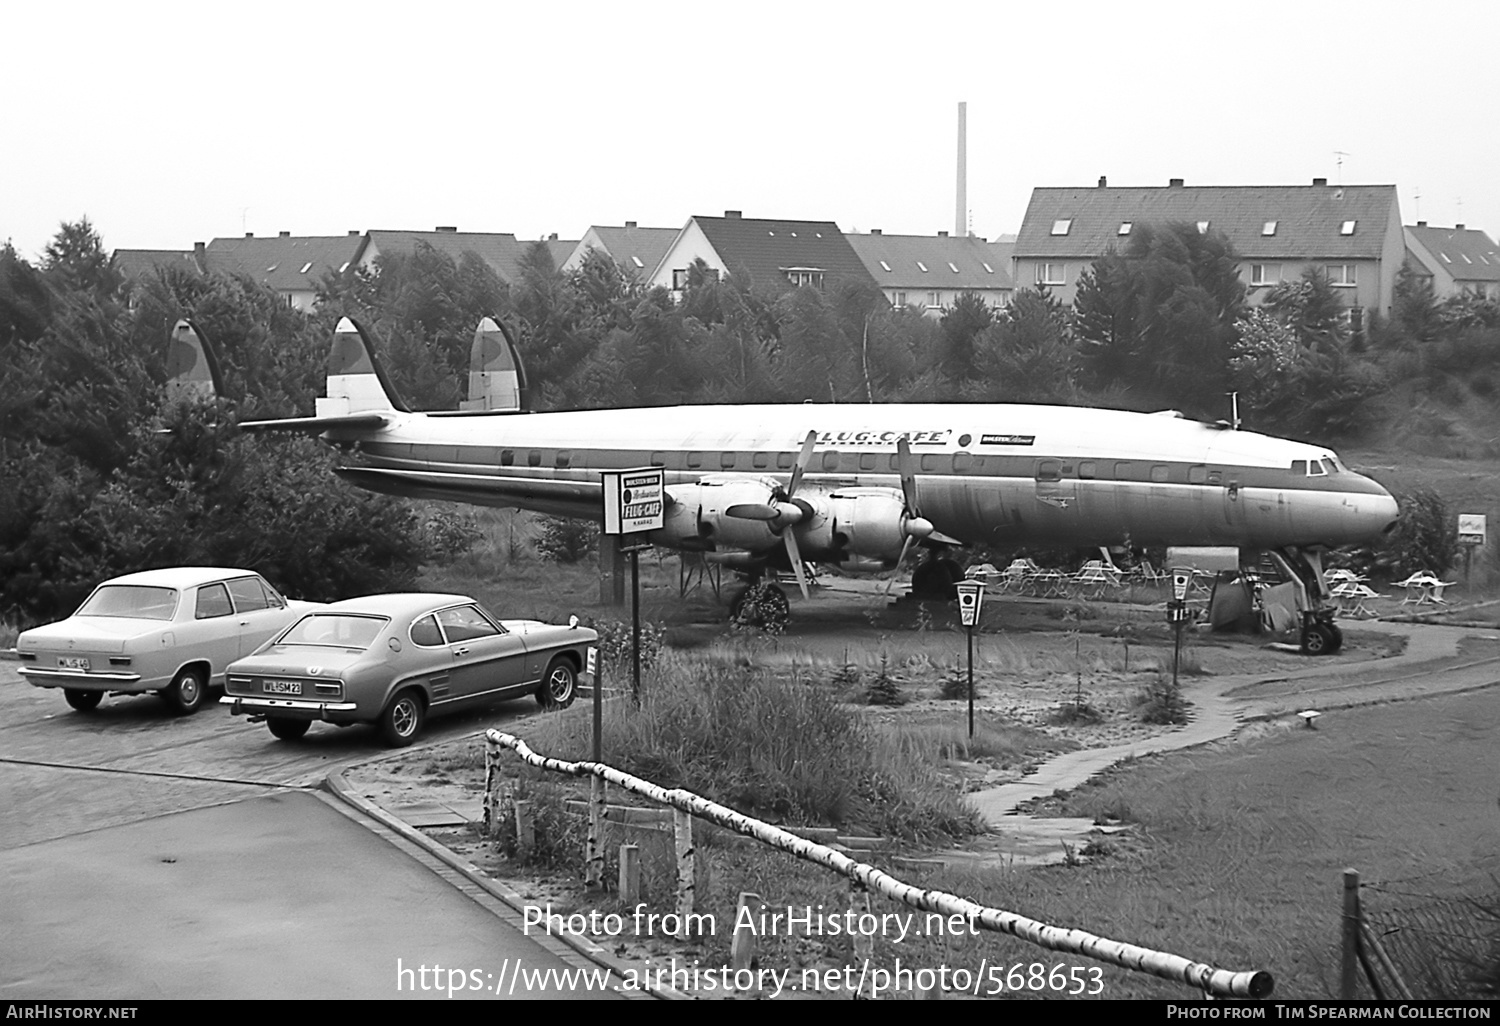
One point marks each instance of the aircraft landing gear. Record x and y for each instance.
(1320, 635)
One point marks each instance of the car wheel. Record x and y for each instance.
(1317, 640)
(186, 692)
(287, 729)
(401, 721)
(83, 701)
(559, 685)
(1336, 638)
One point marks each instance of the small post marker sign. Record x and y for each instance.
(970, 601)
(1181, 578)
(634, 500)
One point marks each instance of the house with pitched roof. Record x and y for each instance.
(635, 250)
(500, 251)
(772, 255)
(292, 265)
(1351, 232)
(134, 263)
(1457, 259)
(931, 271)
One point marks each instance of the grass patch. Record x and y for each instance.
(783, 749)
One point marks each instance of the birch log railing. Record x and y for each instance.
(1209, 979)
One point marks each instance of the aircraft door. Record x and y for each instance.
(1052, 488)
(1234, 502)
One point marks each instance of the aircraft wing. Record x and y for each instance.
(317, 425)
(582, 499)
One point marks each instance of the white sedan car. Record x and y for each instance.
(171, 631)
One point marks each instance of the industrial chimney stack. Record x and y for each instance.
(961, 209)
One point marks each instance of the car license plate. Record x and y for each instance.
(283, 687)
(73, 662)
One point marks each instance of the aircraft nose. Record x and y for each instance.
(1380, 510)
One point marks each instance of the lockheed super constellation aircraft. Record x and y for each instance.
(857, 486)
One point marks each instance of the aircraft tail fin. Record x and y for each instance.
(357, 381)
(497, 378)
(192, 366)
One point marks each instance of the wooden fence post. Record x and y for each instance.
(682, 831)
(525, 828)
(1349, 966)
(630, 874)
(742, 947)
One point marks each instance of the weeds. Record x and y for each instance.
(882, 688)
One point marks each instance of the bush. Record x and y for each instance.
(568, 541)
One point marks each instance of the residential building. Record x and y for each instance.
(772, 255)
(635, 250)
(293, 266)
(930, 271)
(133, 263)
(1457, 259)
(1352, 233)
(499, 250)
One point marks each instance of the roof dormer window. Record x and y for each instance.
(990, 270)
(1062, 226)
(952, 267)
(1347, 228)
(1269, 228)
(1125, 227)
(1202, 227)
(922, 266)
(306, 267)
(884, 266)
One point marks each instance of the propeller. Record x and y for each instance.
(784, 510)
(913, 523)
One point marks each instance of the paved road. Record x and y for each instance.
(146, 856)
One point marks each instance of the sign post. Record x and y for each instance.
(635, 502)
(970, 602)
(1177, 613)
(1471, 535)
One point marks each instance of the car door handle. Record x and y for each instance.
(461, 650)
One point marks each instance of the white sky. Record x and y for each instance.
(170, 123)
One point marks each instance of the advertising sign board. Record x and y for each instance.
(634, 500)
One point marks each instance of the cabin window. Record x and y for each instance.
(962, 461)
(1124, 472)
(930, 461)
(760, 460)
(896, 462)
(694, 460)
(658, 459)
(1087, 469)
(867, 461)
(1048, 470)
(784, 461)
(726, 460)
(831, 460)
(534, 458)
(507, 457)
(1159, 472)
(1299, 468)
(1197, 475)
(563, 459)
(1215, 477)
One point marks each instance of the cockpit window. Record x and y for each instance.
(1299, 467)
(1315, 469)
(1332, 464)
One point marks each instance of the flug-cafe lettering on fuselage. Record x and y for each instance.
(857, 485)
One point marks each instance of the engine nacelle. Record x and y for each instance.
(854, 524)
(696, 517)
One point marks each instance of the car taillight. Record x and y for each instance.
(119, 660)
(27, 657)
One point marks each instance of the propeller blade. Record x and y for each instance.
(908, 470)
(804, 459)
(795, 555)
(905, 548)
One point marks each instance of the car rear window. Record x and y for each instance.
(334, 630)
(247, 594)
(131, 600)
